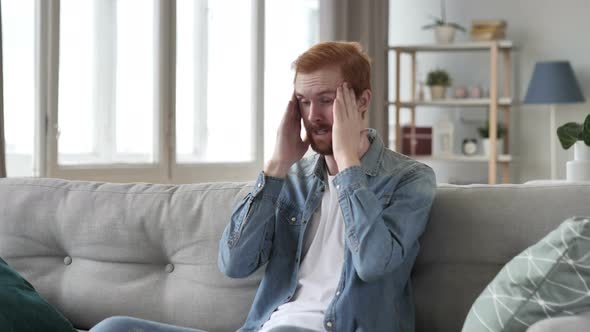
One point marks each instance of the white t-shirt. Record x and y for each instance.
(321, 266)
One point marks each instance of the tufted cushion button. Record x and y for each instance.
(68, 260)
(169, 268)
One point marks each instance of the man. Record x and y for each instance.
(338, 231)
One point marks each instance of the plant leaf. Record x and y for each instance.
(568, 134)
(457, 26)
(437, 22)
(484, 131)
(429, 26)
(586, 131)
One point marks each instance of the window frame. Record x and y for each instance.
(165, 169)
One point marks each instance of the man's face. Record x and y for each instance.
(316, 92)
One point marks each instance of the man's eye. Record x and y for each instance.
(304, 102)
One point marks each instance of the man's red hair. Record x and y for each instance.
(354, 63)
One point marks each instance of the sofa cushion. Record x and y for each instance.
(22, 309)
(549, 279)
(95, 250)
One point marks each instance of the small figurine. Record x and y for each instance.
(476, 92)
(460, 92)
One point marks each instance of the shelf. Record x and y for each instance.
(503, 158)
(499, 52)
(455, 102)
(454, 47)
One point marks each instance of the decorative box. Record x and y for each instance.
(421, 142)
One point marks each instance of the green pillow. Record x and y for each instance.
(23, 310)
(549, 279)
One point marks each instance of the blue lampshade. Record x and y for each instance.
(553, 82)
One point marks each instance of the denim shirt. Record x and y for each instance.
(385, 204)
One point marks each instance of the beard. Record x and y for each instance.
(323, 147)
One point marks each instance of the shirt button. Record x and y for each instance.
(68, 260)
(169, 268)
(337, 186)
(337, 293)
(259, 185)
(329, 324)
(293, 219)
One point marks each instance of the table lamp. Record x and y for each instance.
(553, 82)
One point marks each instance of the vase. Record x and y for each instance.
(438, 92)
(444, 34)
(579, 168)
(485, 144)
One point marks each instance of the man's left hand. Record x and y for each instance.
(347, 128)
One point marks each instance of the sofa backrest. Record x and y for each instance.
(473, 232)
(96, 250)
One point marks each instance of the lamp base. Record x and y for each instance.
(579, 168)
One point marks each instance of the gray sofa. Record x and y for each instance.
(100, 249)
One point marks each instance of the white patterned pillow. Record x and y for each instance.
(549, 279)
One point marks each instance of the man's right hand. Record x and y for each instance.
(289, 147)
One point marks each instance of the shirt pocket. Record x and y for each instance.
(289, 214)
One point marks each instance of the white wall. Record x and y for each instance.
(541, 30)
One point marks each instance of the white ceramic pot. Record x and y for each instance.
(444, 34)
(485, 144)
(579, 168)
(438, 92)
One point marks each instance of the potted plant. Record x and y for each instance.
(578, 135)
(484, 132)
(444, 32)
(438, 80)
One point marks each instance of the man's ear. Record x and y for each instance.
(364, 101)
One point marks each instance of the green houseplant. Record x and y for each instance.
(572, 132)
(578, 135)
(444, 31)
(438, 80)
(484, 132)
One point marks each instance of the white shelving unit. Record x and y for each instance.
(495, 103)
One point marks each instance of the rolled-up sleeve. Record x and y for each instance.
(247, 240)
(379, 236)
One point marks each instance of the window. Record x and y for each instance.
(299, 29)
(106, 80)
(148, 90)
(214, 88)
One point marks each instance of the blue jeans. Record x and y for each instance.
(130, 324)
